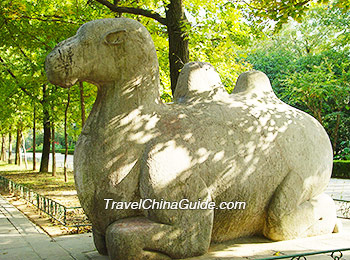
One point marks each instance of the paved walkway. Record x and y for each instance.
(20, 239)
(339, 189)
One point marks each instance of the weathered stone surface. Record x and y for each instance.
(198, 81)
(248, 146)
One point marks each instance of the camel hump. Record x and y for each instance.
(198, 81)
(253, 82)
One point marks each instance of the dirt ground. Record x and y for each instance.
(50, 186)
(45, 184)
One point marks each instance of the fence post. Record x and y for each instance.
(44, 204)
(65, 216)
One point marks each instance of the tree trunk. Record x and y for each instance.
(24, 152)
(82, 104)
(53, 150)
(10, 147)
(44, 165)
(317, 112)
(178, 39)
(3, 152)
(18, 147)
(66, 138)
(335, 134)
(34, 139)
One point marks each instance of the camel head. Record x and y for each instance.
(101, 52)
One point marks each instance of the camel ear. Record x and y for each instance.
(115, 37)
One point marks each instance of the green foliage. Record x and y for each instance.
(309, 67)
(70, 151)
(307, 63)
(344, 153)
(217, 36)
(279, 12)
(341, 169)
(30, 30)
(320, 83)
(277, 63)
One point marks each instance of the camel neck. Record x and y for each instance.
(124, 96)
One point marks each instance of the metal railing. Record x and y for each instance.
(67, 216)
(335, 254)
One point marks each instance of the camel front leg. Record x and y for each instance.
(99, 241)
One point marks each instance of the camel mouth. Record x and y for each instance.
(55, 79)
(58, 75)
(68, 84)
(65, 83)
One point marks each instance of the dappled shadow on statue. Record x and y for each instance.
(248, 146)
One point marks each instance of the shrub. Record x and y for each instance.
(341, 169)
(40, 150)
(70, 151)
(344, 153)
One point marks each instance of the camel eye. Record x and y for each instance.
(115, 37)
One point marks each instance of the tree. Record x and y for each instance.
(3, 149)
(14, 103)
(29, 31)
(10, 147)
(178, 26)
(309, 64)
(217, 36)
(34, 137)
(280, 12)
(66, 137)
(82, 103)
(324, 89)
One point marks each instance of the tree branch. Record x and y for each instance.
(15, 78)
(42, 42)
(33, 36)
(251, 6)
(47, 19)
(136, 11)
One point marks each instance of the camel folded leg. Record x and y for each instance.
(164, 234)
(291, 216)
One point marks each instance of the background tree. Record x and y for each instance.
(308, 64)
(280, 12)
(30, 30)
(219, 32)
(172, 14)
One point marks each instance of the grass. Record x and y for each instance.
(45, 184)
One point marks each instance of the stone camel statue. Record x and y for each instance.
(207, 146)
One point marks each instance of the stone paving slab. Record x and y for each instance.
(21, 239)
(339, 189)
(19, 253)
(79, 246)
